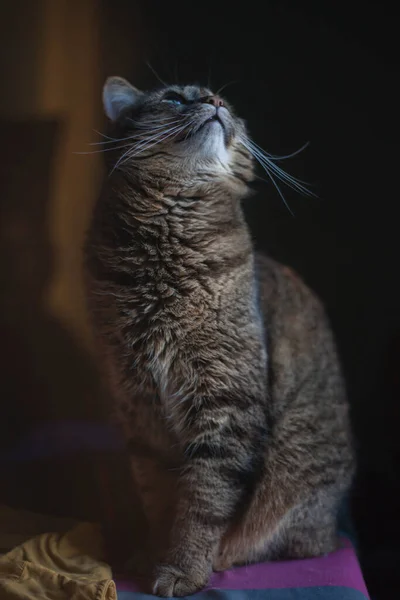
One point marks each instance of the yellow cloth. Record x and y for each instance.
(55, 566)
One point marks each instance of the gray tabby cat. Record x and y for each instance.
(221, 362)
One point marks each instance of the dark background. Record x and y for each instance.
(323, 72)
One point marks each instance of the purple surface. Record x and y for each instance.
(66, 438)
(340, 568)
(62, 439)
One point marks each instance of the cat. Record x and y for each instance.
(221, 361)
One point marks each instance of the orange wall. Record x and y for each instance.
(50, 61)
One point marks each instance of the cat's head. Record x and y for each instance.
(186, 129)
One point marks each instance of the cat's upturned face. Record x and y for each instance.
(187, 127)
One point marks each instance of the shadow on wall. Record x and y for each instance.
(45, 375)
(49, 106)
(56, 454)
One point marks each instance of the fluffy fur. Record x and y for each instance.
(221, 362)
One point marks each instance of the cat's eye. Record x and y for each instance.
(173, 98)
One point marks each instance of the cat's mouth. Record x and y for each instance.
(215, 118)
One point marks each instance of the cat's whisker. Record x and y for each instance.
(156, 74)
(145, 145)
(131, 137)
(280, 192)
(256, 155)
(285, 178)
(116, 140)
(158, 137)
(176, 75)
(290, 180)
(223, 87)
(104, 150)
(143, 138)
(273, 171)
(152, 124)
(139, 124)
(209, 78)
(110, 141)
(295, 153)
(192, 126)
(104, 135)
(298, 184)
(149, 144)
(275, 157)
(174, 130)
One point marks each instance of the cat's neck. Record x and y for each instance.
(173, 230)
(202, 203)
(163, 220)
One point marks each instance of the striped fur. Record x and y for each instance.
(221, 362)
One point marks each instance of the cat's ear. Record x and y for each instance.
(118, 95)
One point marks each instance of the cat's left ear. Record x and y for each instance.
(118, 95)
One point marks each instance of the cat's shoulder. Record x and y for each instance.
(284, 290)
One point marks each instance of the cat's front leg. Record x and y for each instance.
(224, 448)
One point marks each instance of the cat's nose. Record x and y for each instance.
(215, 101)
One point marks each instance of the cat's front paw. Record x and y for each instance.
(171, 580)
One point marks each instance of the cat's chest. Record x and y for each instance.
(157, 317)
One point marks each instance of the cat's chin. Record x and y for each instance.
(207, 143)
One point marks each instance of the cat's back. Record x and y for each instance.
(300, 342)
(285, 299)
